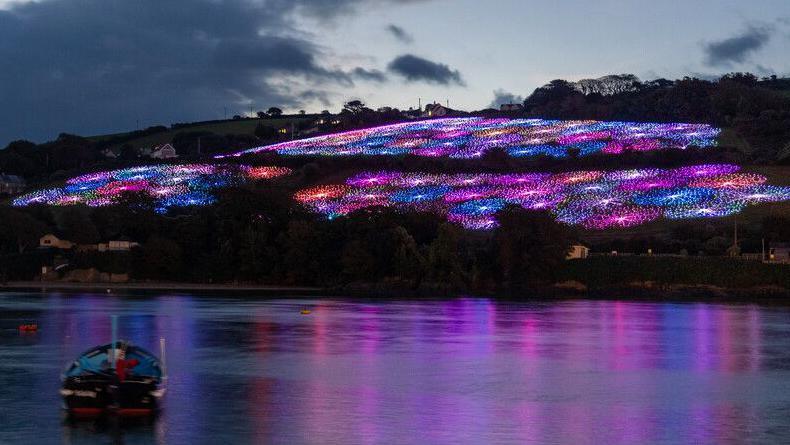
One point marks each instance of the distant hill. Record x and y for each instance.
(244, 126)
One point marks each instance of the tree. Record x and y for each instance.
(445, 265)
(159, 258)
(531, 247)
(408, 263)
(128, 153)
(274, 112)
(77, 226)
(19, 231)
(261, 114)
(354, 106)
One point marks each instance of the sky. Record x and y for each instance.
(103, 66)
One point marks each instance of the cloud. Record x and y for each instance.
(96, 66)
(399, 33)
(417, 69)
(737, 49)
(503, 97)
(369, 75)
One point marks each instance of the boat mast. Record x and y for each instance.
(114, 339)
(162, 358)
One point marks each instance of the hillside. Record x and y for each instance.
(230, 127)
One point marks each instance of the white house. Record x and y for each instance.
(117, 246)
(110, 153)
(11, 184)
(165, 151)
(436, 110)
(52, 241)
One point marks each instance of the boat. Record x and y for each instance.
(28, 327)
(124, 380)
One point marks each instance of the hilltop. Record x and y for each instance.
(257, 233)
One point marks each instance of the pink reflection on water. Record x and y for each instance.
(453, 371)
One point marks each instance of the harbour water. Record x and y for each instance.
(459, 371)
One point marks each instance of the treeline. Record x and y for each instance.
(260, 236)
(757, 109)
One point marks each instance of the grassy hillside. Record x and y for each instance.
(240, 126)
(730, 138)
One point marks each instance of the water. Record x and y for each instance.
(439, 372)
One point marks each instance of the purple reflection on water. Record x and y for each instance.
(450, 371)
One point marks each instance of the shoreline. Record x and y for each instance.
(636, 292)
(157, 286)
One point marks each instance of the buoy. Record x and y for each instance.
(305, 312)
(30, 327)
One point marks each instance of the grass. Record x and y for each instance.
(241, 126)
(601, 272)
(730, 138)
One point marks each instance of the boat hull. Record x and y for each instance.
(97, 396)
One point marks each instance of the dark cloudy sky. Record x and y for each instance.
(97, 66)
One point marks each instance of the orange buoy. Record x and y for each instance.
(305, 311)
(30, 327)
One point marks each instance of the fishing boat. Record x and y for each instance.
(114, 379)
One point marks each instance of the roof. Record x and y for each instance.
(164, 147)
(11, 179)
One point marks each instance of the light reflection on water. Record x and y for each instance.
(445, 371)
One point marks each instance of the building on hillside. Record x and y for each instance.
(436, 110)
(165, 151)
(412, 113)
(11, 184)
(384, 110)
(111, 153)
(51, 241)
(121, 245)
(578, 252)
(779, 253)
(511, 107)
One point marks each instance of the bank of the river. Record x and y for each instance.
(158, 286)
(622, 278)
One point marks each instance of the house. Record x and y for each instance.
(436, 110)
(165, 151)
(511, 107)
(11, 184)
(111, 153)
(121, 245)
(577, 252)
(51, 241)
(779, 252)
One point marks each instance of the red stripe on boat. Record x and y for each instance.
(134, 412)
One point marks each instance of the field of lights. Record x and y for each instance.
(169, 185)
(472, 137)
(592, 199)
